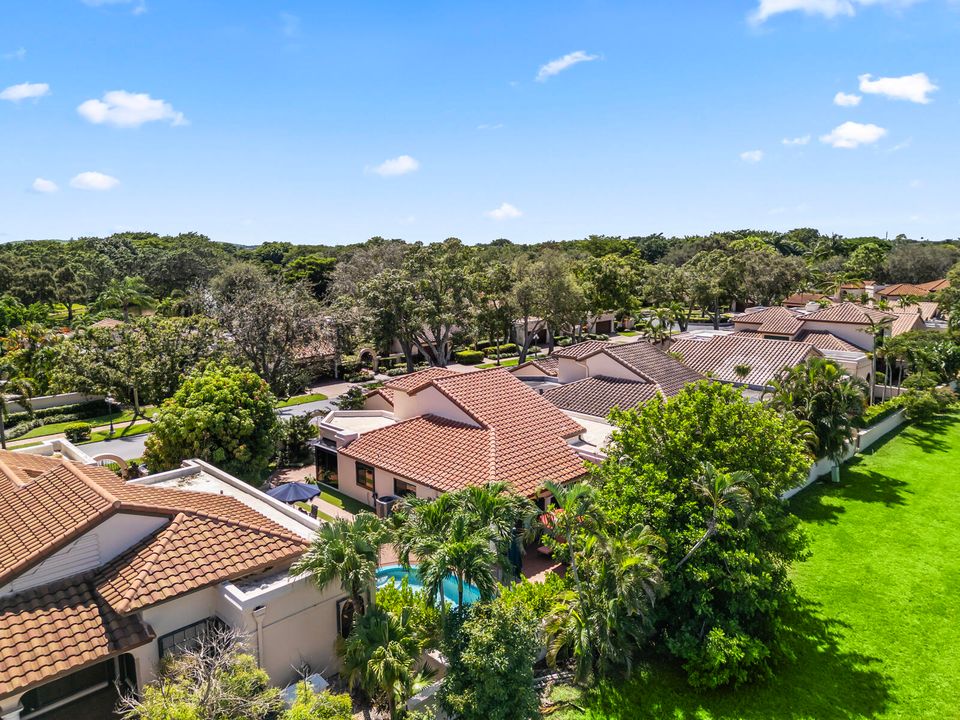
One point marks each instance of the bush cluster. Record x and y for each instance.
(880, 411)
(923, 404)
(22, 423)
(469, 357)
(78, 432)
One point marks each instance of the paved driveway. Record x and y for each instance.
(126, 447)
(321, 406)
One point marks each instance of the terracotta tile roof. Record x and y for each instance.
(901, 290)
(848, 312)
(520, 438)
(906, 322)
(58, 629)
(801, 299)
(548, 365)
(927, 309)
(934, 285)
(654, 365)
(598, 395)
(410, 382)
(721, 354)
(771, 321)
(582, 350)
(191, 552)
(825, 341)
(61, 500)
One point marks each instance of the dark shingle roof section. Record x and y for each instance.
(721, 355)
(655, 365)
(600, 394)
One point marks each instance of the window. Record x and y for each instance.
(365, 476)
(187, 636)
(402, 488)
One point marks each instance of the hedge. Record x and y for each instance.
(22, 423)
(469, 357)
(505, 349)
(880, 411)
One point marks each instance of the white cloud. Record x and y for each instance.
(42, 185)
(290, 24)
(93, 181)
(560, 64)
(853, 134)
(506, 211)
(914, 88)
(397, 166)
(916, 183)
(489, 126)
(18, 54)
(802, 140)
(846, 99)
(123, 109)
(825, 8)
(25, 91)
(752, 156)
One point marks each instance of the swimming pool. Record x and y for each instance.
(398, 573)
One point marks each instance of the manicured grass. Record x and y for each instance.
(55, 428)
(508, 362)
(301, 399)
(878, 635)
(335, 497)
(306, 507)
(628, 333)
(119, 432)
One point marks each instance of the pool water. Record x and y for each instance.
(398, 573)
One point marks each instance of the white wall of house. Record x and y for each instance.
(603, 364)
(382, 479)
(169, 617)
(377, 402)
(92, 549)
(858, 335)
(428, 401)
(44, 402)
(569, 370)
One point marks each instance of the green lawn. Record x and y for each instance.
(55, 428)
(345, 502)
(306, 507)
(508, 362)
(301, 399)
(119, 431)
(878, 635)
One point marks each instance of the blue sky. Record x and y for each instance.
(323, 122)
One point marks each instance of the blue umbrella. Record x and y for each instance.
(294, 492)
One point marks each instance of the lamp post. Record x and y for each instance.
(110, 403)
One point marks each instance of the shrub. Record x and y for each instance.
(78, 431)
(425, 620)
(880, 411)
(533, 349)
(469, 357)
(359, 376)
(483, 345)
(536, 597)
(310, 705)
(295, 431)
(396, 372)
(352, 399)
(565, 342)
(921, 405)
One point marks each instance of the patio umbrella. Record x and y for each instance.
(294, 492)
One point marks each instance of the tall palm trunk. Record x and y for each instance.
(3, 428)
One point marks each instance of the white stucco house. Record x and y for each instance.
(100, 578)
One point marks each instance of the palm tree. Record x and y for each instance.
(131, 292)
(463, 552)
(378, 658)
(602, 625)
(508, 516)
(14, 388)
(725, 492)
(742, 370)
(348, 550)
(822, 394)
